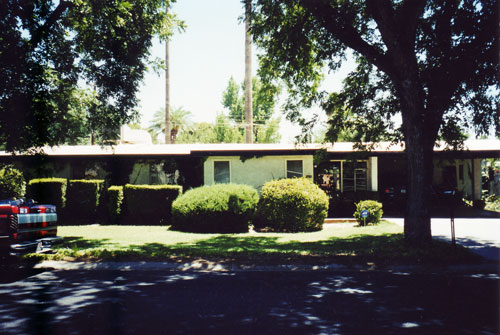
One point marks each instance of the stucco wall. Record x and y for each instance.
(256, 171)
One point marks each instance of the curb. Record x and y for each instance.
(490, 268)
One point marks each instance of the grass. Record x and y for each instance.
(340, 243)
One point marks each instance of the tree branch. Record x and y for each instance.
(345, 32)
(54, 16)
(408, 15)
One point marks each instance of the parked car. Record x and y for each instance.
(27, 227)
(395, 196)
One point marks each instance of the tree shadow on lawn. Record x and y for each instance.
(382, 249)
(386, 249)
(76, 242)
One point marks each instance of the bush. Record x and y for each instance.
(291, 205)
(374, 209)
(149, 204)
(492, 203)
(83, 200)
(221, 208)
(48, 191)
(114, 203)
(12, 183)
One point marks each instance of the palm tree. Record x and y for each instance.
(248, 75)
(180, 120)
(167, 89)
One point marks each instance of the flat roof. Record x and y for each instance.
(472, 146)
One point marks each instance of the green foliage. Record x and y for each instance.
(48, 191)
(114, 203)
(179, 123)
(222, 131)
(225, 132)
(227, 208)
(291, 205)
(492, 203)
(268, 132)
(407, 54)
(12, 183)
(374, 209)
(301, 39)
(50, 47)
(149, 204)
(83, 201)
(264, 99)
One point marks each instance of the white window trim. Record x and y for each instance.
(293, 159)
(230, 169)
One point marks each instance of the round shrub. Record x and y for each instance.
(12, 183)
(374, 209)
(220, 208)
(291, 205)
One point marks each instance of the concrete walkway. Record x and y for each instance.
(482, 235)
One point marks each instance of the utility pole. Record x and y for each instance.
(248, 76)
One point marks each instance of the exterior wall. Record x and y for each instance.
(256, 171)
(463, 172)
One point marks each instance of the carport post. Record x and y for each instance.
(452, 222)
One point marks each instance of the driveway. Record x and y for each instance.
(482, 235)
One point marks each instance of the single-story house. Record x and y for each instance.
(191, 165)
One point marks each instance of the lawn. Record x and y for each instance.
(336, 243)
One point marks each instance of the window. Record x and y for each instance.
(294, 169)
(354, 176)
(222, 172)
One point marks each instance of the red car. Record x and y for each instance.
(27, 227)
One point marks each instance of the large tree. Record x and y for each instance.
(51, 48)
(264, 99)
(434, 63)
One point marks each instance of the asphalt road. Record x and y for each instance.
(249, 302)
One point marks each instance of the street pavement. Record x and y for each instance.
(128, 301)
(482, 235)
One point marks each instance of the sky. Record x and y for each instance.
(202, 59)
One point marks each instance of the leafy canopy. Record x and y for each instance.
(446, 50)
(264, 99)
(50, 49)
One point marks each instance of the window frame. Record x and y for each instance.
(294, 160)
(229, 170)
(342, 170)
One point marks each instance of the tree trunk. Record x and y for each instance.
(419, 148)
(417, 226)
(168, 135)
(248, 76)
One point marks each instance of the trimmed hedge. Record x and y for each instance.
(83, 201)
(149, 204)
(291, 205)
(220, 208)
(374, 209)
(12, 183)
(114, 197)
(48, 191)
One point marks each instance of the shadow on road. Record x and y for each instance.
(130, 302)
